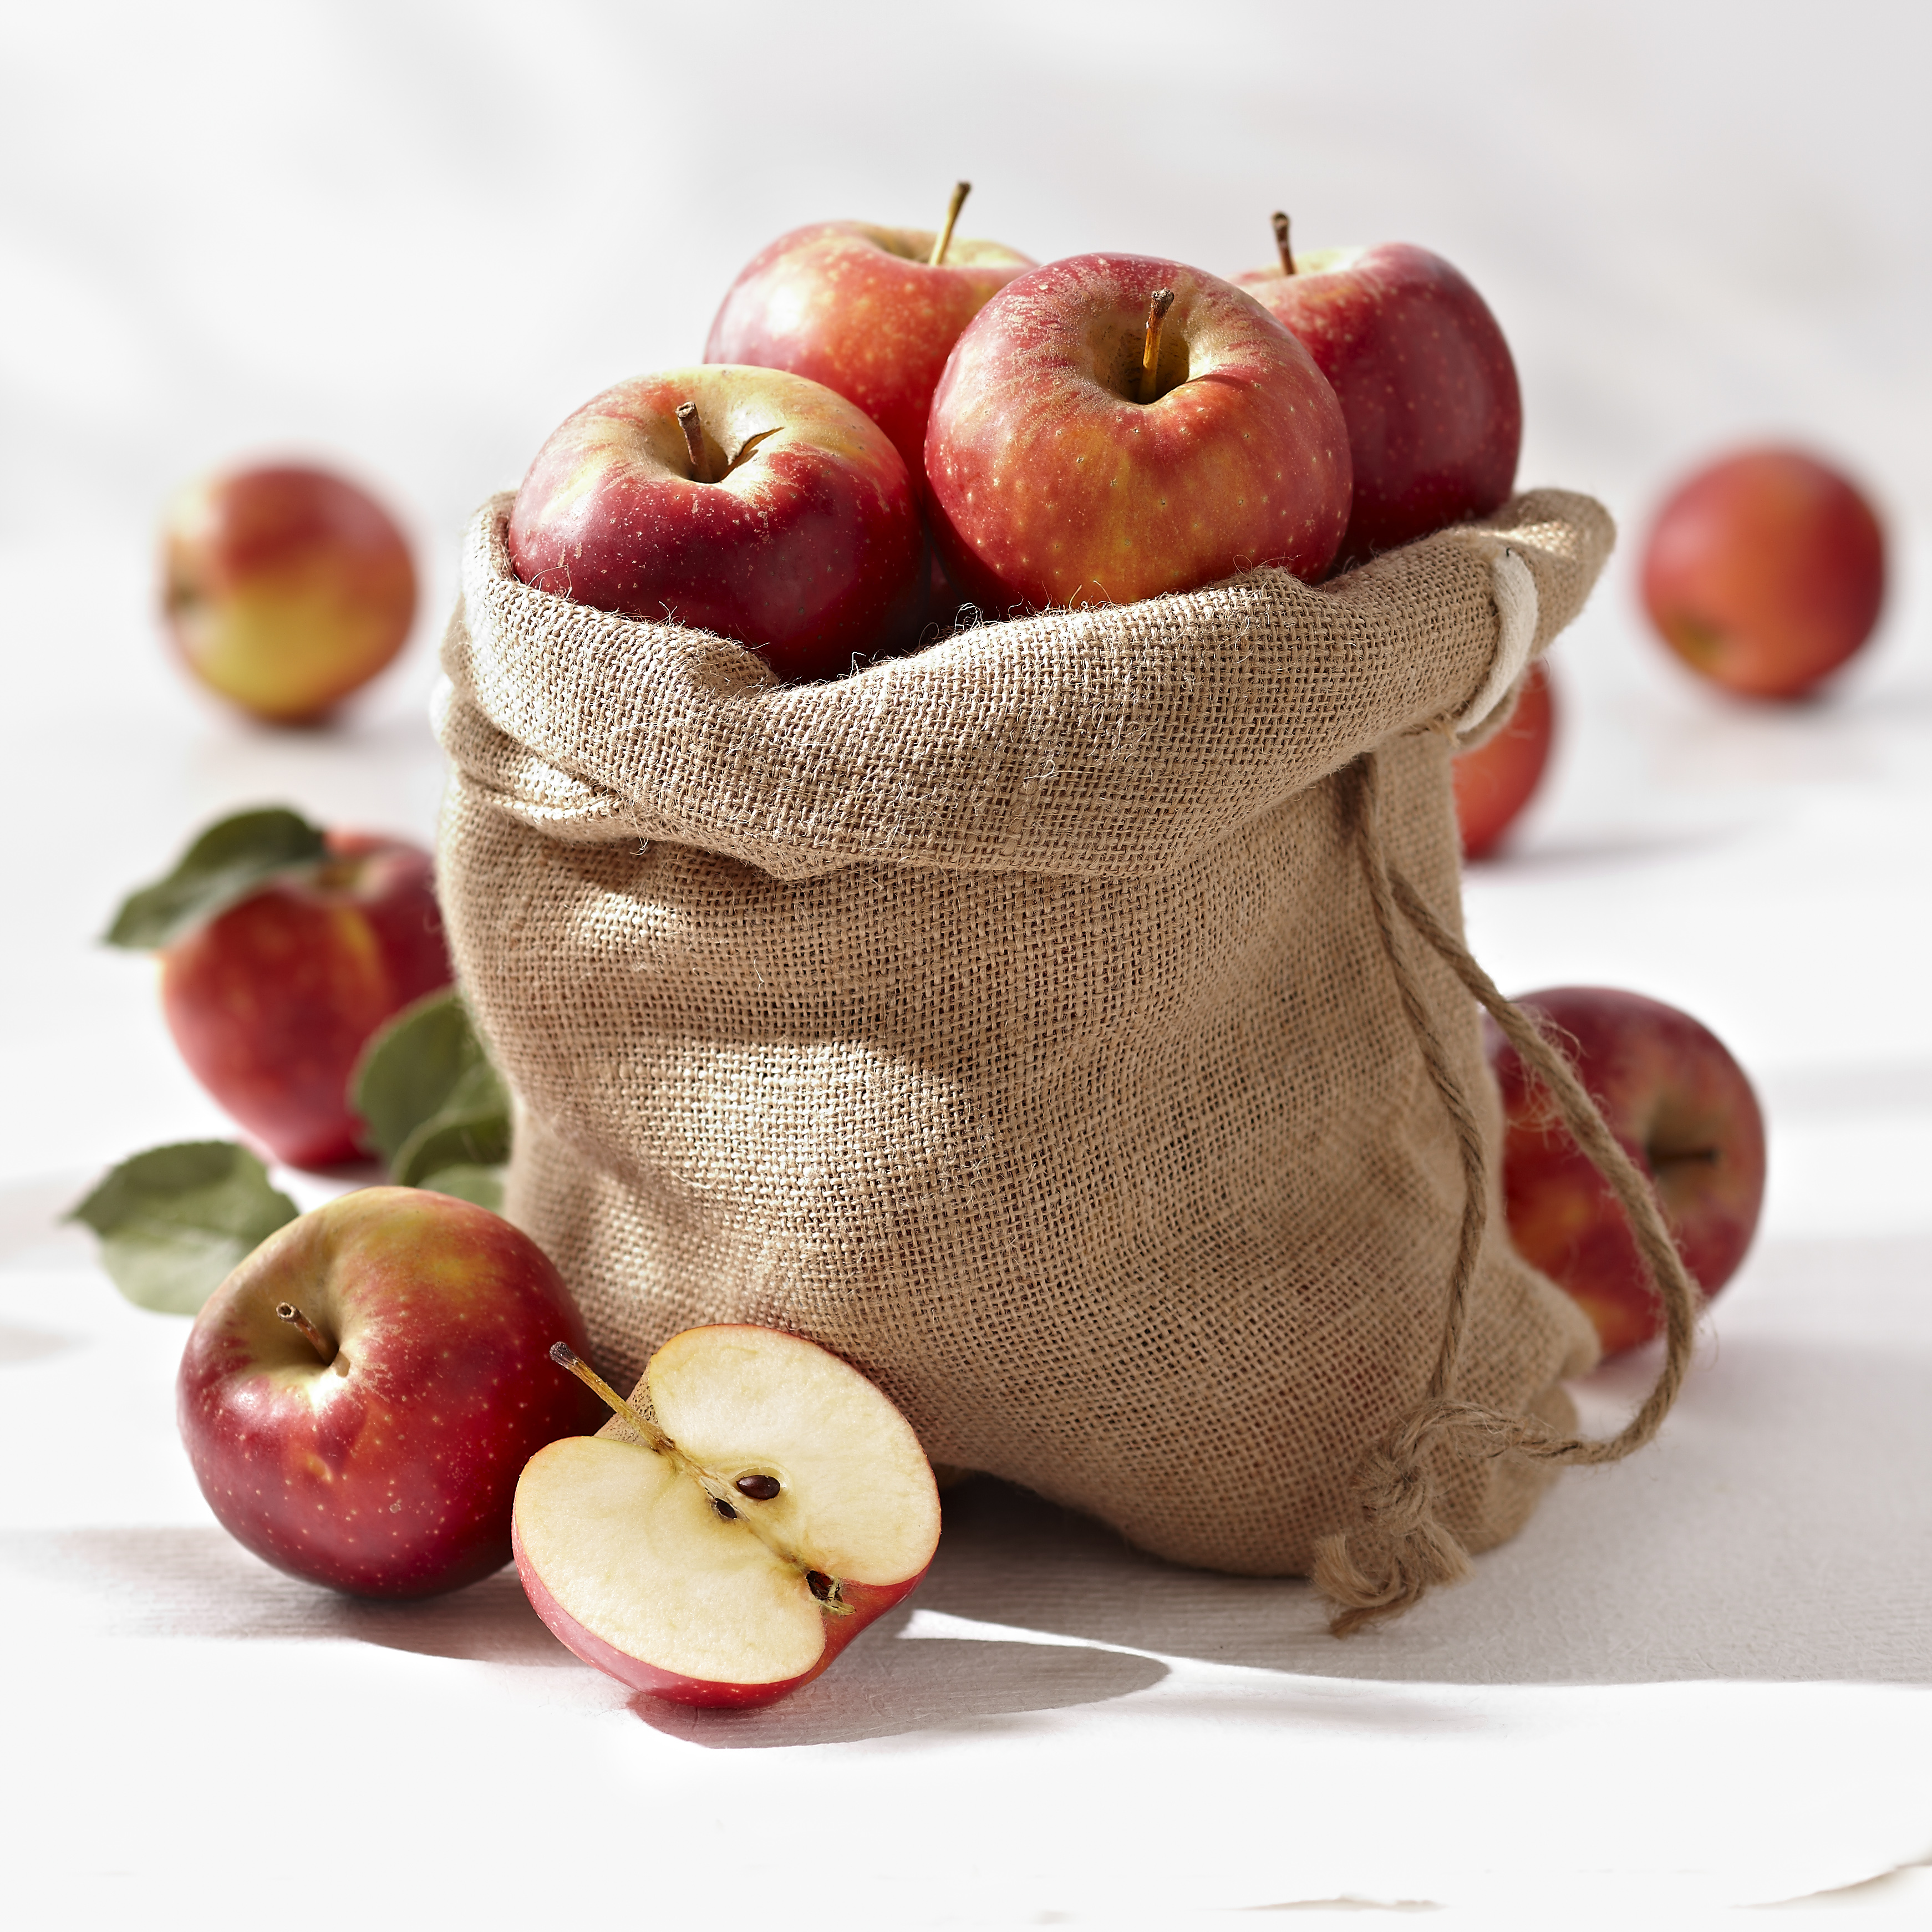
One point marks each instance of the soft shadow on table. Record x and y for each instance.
(1777, 1530)
(193, 1582)
(199, 1582)
(884, 1686)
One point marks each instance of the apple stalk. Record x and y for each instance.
(960, 190)
(1158, 303)
(1280, 221)
(329, 1351)
(755, 1486)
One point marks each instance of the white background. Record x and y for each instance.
(410, 238)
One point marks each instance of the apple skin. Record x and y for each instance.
(394, 1476)
(861, 310)
(1048, 484)
(1495, 781)
(1683, 1109)
(271, 1002)
(1765, 571)
(1426, 381)
(866, 1602)
(284, 588)
(809, 550)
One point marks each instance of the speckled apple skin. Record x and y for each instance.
(861, 309)
(1765, 571)
(391, 1473)
(1683, 1109)
(1426, 381)
(1048, 484)
(809, 551)
(867, 1603)
(271, 1003)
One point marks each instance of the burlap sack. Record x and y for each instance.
(1021, 1020)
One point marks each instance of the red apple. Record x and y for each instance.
(1090, 444)
(358, 1397)
(771, 511)
(272, 997)
(1500, 776)
(1425, 379)
(284, 588)
(726, 1553)
(872, 312)
(1765, 572)
(1682, 1109)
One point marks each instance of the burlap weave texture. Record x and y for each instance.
(1010, 1019)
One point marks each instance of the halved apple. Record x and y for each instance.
(726, 1551)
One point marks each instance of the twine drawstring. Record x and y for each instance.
(1398, 1549)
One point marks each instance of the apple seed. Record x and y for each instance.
(760, 1489)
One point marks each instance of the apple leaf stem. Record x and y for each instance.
(1280, 221)
(308, 1331)
(960, 190)
(565, 1357)
(694, 442)
(1158, 303)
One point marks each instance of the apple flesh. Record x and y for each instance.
(1765, 572)
(784, 518)
(284, 588)
(864, 310)
(725, 1554)
(381, 1458)
(1684, 1110)
(1425, 378)
(1051, 482)
(1498, 778)
(271, 1002)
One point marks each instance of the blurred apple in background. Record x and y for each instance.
(360, 1396)
(283, 949)
(751, 502)
(285, 588)
(726, 1552)
(1498, 778)
(1425, 379)
(1091, 443)
(1765, 571)
(871, 313)
(1683, 1109)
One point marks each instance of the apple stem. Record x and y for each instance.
(693, 441)
(565, 1357)
(960, 190)
(1281, 242)
(308, 1331)
(1158, 303)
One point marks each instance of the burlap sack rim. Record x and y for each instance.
(1061, 717)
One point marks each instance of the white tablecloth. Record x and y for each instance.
(414, 238)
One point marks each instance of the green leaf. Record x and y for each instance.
(482, 1186)
(431, 1096)
(174, 1221)
(223, 866)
